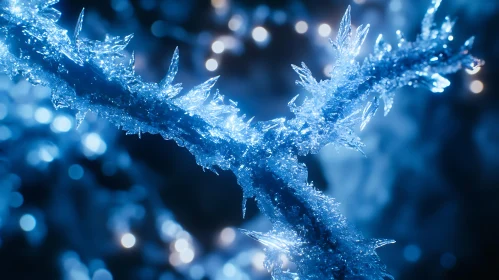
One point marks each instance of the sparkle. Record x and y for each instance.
(476, 86)
(260, 34)
(211, 64)
(218, 47)
(324, 30)
(301, 27)
(128, 240)
(27, 222)
(235, 22)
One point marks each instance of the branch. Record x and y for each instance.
(88, 75)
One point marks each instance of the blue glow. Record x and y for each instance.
(412, 253)
(102, 274)
(448, 260)
(16, 199)
(76, 172)
(27, 222)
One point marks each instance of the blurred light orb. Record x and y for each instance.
(412, 253)
(25, 111)
(5, 133)
(128, 240)
(219, 4)
(48, 152)
(301, 27)
(257, 261)
(476, 86)
(227, 236)
(187, 256)
(474, 71)
(170, 228)
(279, 17)
(196, 272)
(218, 47)
(211, 64)
(229, 270)
(174, 259)
(3, 111)
(395, 6)
(447, 260)
(181, 245)
(75, 172)
(61, 124)
(235, 22)
(324, 30)
(102, 274)
(359, 2)
(27, 222)
(284, 259)
(94, 143)
(159, 28)
(16, 200)
(43, 115)
(327, 70)
(260, 34)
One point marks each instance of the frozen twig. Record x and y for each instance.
(88, 75)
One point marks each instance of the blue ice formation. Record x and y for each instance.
(90, 75)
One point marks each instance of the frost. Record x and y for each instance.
(99, 76)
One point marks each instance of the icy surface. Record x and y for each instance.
(88, 75)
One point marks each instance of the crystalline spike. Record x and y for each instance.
(233, 103)
(378, 243)
(447, 26)
(388, 101)
(369, 112)
(118, 43)
(427, 23)
(131, 63)
(291, 103)
(79, 25)
(345, 30)
(172, 70)
(80, 117)
(270, 240)
(245, 201)
(48, 3)
(51, 14)
(362, 32)
(381, 47)
(303, 72)
(307, 80)
(206, 86)
(469, 43)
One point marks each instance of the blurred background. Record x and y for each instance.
(93, 203)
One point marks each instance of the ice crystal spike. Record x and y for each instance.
(427, 24)
(79, 25)
(271, 241)
(172, 71)
(344, 32)
(369, 112)
(88, 75)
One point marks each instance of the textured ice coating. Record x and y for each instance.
(88, 75)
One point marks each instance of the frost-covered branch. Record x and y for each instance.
(88, 75)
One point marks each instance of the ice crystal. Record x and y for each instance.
(89, 75)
